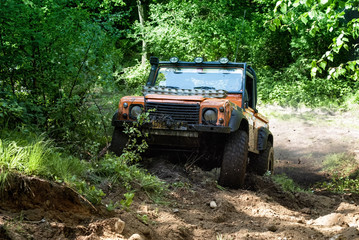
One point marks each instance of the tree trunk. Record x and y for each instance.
(141, 17)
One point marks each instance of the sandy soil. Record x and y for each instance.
(196, 208)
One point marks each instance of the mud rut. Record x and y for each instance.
(35, 209)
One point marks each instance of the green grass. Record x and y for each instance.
(32, 154)
(38, 157)
(341, 164)
(287, 184)
(119, 171)
(344, 171)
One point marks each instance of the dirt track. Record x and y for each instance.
(305, 138)
(261, 211)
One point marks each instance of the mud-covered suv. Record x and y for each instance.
(208, 107)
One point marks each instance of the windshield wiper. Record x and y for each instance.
(204, 87)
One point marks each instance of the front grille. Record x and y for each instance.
(188, 113)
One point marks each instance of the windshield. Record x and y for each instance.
(229, 79)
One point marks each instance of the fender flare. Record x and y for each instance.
(238, 121)
(264, 135)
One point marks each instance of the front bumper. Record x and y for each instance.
(189, 130)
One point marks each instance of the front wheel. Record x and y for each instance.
(119, 141)
(262, 162)
(234, 162)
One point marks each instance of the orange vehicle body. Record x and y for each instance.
(209, 107)
(256, 120)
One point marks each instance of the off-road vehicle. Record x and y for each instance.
(208, 107)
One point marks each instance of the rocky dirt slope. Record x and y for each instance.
(195, 207)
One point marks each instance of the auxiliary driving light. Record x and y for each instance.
(223, 60)
(198, 60)
(174, 60)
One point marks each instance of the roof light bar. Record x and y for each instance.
(174, 60)
(198, 60)
(223, 60)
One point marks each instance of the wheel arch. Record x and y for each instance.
(264, 136)
(238, 121)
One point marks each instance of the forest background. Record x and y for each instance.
(65, 64)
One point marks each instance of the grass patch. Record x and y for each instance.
(340, 164)
(38, 157)
(119, 171)
(287, 184)
(344, 171)
(32, 154)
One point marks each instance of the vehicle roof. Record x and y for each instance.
(204, 64)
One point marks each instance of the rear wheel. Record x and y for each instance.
(234, 162)
(262, 162)
(119, 141)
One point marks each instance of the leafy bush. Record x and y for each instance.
(341, 185)
(134, 77)
(293, 86)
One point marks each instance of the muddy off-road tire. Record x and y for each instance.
(262, 162)
(119, 141)
(234, 162)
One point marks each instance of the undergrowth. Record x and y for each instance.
(287, 184)
(294, 87)
(33, 154)
(344, 171)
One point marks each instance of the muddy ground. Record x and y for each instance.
(195, 207)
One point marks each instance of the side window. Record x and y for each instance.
(250, 92)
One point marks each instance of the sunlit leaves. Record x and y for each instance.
(321, 18)
(191, 28)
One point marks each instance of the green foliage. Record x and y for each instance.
(340, 164)
(341, 185)
(192, 28)
(293, 87)
(143, 218)
(33, 155)
(343, 169)
(55, 58)
(92, 193)
(118, 170)
(134, 76)
(112, 205)
(126, 203)
(287, 184)
(331, 24)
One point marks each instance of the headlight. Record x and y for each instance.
(135, 111)
(210, 115)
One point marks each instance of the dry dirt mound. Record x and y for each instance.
(33, 208)
(196, 209)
